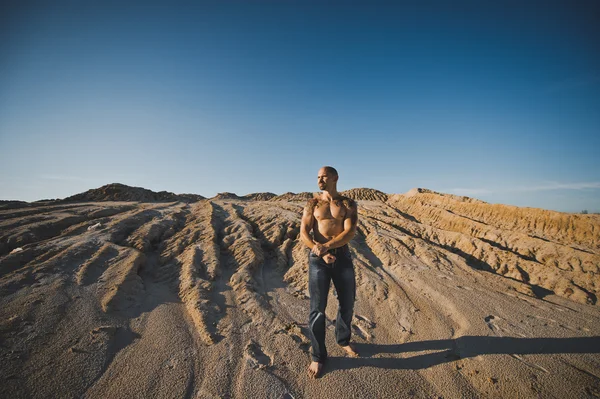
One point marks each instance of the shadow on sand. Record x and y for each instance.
(449, 350)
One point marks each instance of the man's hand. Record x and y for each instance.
(329, 258)
(319, 249)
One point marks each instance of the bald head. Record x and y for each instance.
(327, 178)
(330, 170)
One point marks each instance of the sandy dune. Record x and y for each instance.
(456, 298)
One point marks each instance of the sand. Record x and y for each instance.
(456, 298)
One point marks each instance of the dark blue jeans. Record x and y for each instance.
(320, 275)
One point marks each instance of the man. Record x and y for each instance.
(332, 218)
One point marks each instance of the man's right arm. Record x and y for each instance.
(306, 225)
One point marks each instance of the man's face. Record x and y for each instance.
(324, 180)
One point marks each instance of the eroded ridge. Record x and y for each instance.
(245, 256)
(199, 267)
(557, 252)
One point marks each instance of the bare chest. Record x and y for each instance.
(325, 210)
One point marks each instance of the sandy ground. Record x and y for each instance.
(455, 299)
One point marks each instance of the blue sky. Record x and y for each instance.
(496, 101)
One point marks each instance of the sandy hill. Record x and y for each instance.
(9, 204)
(259, 196)
(122, 192)
(292, 197)
(367, 194)
(456, 298)
(225, 196)
(435, 194)
(247, 197)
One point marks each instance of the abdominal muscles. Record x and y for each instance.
(327, 229)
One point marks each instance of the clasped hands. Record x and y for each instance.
(321, 250)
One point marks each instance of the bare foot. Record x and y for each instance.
(350, 351)
(314, 370)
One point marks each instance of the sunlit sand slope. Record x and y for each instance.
(456, 298)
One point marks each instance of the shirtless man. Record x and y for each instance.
(332, 218)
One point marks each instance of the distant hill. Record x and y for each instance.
(13, 204)
(247, 197)
(259, 196)
(367, 194)
(225, 196)
(122, 192)
(289, 196)
(459, 198)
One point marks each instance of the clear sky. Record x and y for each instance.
(495, 100)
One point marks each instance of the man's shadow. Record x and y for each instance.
(449, 350)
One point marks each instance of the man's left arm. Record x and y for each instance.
(350, 223)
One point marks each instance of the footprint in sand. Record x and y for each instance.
(256, 357)
(303, 344)
(295, 332)
(491, 323)
(363, 327)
